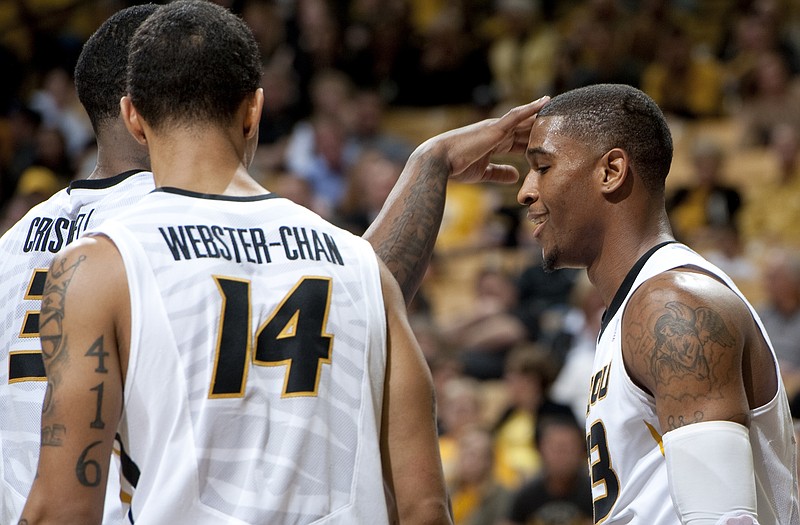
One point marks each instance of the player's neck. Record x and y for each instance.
(118, 152)
(204, 160)
(624, 244)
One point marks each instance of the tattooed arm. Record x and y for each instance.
(84, 301)
(693, 344)
(405, 231)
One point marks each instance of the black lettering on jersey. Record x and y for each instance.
(248, 244)
(208, 241)
(195, 241)
(333, 251)
(48, 234)
(176, 242)
(219, 236)
(296, 245)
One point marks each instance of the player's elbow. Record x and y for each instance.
(426, 511)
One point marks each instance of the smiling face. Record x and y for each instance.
(559, 192)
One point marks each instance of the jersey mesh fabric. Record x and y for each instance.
(28, 248)
(280, 437)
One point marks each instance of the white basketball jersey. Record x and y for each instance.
(257, 358)
(26, 251)
(624, 436)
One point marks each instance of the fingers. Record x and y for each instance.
(523, 116)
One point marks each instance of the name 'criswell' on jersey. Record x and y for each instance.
(251, 245)
(50, 234)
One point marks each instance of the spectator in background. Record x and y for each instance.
(756, 29)
(315, 39)
(51, 153)
(321, 148)
(771, 213)
(543, 299)
(576, 343)
(20, 151)
(460, 407)
(36, 184)
(682, 81)
(706, 202)
(522, 55)
(477, 498)
(368, 108)
(369, 183)
(780, 312)
(561, 493)
(771, 96)
(449, 66)
(491, 328)
(58, 104)
(596, 37)
(527, 379)
(278, 119)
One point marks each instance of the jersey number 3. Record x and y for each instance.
(27, 365)
(602, 473)
(293, 336)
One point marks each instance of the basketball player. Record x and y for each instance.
(267, 378)
(119, 179)
(403, 236)
(688, 420)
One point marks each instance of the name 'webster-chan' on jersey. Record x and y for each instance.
(253, 245)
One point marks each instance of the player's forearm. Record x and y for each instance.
(404, 233)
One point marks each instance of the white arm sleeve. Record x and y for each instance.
(710, 472)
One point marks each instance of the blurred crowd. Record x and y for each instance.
(352, 86)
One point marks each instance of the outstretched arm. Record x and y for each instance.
(79, 332)
(404, 233)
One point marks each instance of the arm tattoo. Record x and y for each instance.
(406, 245)
(54, 345)
(680, 421)
(682, 338)
(52, 435)
(88, 471)
(53, 305)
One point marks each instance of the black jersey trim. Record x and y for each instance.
(189, 193)
(100, 184)
(626, 285)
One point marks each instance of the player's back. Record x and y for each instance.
(27, 250)
(256, 364)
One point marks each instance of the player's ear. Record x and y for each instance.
(252, 116)
(615, 169)
(132, 121)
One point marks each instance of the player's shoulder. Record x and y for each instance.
(93, 249)
(691, 286)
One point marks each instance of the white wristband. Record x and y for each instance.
(710, 472)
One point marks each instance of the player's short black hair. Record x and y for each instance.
(618, 116)
(191, 62)
(100, 73)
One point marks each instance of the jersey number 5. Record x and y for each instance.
(293, 336)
